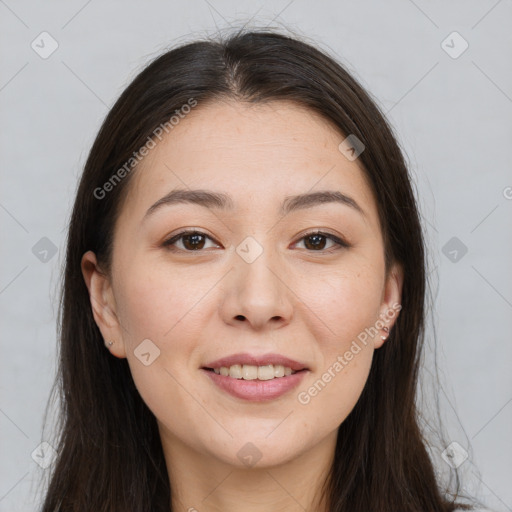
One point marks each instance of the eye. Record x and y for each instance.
(316, 241)
(192, 240)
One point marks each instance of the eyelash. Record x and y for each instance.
(338, 241)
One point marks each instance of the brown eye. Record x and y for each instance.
(317, 241)
(191, 241)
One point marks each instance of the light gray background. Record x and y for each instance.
(453, 117)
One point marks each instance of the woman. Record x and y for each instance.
(243, 302)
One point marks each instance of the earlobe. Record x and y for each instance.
(102, 303)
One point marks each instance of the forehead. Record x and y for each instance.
(256, 153)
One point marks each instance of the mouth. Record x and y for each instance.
(255, 367)
(253, 372)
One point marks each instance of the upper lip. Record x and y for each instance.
(257, 360)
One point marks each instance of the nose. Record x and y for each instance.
(258, 294)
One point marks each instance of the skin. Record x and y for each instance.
(197, 306)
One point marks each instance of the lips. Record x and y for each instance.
(256, 360)
(256, 390)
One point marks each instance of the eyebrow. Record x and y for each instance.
(221, 201)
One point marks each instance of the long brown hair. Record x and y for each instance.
(109, 451)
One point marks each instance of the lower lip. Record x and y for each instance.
(256, 390)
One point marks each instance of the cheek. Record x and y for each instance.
(334, 391)
(158, 310)
(342, 313)
(160, 307)
(159, 304)
(345, 303)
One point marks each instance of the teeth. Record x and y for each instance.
(235, 371)
(251, 372)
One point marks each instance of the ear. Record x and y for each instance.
(391, 303)
(103, 303)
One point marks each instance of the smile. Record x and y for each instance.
(255, 390)
(252, 372)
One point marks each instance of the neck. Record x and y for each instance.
(200, 482)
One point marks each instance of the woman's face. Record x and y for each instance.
(254, 280)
